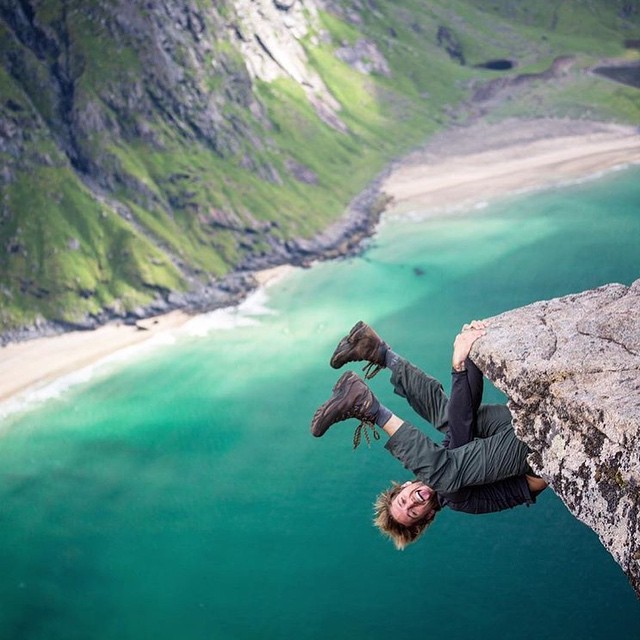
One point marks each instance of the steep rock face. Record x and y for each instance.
(571, 370)
(104, 102)
(268, 34)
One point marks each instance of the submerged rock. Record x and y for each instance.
(571, 370)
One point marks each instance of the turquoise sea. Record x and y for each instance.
(178, 494)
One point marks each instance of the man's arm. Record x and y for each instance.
(466, 388)
(461, 414)
(481, 461)
(488, 498)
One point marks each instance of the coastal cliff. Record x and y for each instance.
(571, 370)
(154, 154)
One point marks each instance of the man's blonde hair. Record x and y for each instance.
(401, 535)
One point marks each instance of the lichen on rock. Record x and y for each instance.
(571, 370)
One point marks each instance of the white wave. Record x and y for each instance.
(218, 320)
(421, 215)
(228, 318)
(48, 391)
(256, 304)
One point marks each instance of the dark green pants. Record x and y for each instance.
(494, 454)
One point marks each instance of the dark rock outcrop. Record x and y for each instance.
(625, 73)
(571, 370)
(448, 40)
(484, 92)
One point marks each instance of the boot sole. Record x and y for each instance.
(343, 345)
(340, 389)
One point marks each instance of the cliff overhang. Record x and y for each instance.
(570, 368)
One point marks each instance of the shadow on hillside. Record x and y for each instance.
(628, 74)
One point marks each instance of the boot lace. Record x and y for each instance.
(371, 369)
(363, 430)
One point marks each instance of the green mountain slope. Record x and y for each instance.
(148, 149)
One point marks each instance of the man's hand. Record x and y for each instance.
(464, 340)
(475, 324)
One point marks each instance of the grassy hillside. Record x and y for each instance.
(142, 157)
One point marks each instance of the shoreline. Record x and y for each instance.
(31, 366)
(455, 170)
(481, 163)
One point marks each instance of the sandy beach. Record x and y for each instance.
(484, 162)
(25, 366)
(456, 169)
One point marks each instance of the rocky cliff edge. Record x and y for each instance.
(571, 370)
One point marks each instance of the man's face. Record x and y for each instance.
(412, 503)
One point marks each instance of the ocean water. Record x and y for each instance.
(178, 494)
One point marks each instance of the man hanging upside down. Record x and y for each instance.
(480, 467)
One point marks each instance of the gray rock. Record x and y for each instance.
(365, 57)
(571, 370)
(301, 172)
(269, 35)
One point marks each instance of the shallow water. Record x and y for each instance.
(181, 495)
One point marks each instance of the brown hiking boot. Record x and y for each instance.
(362, 343)
(351, 398)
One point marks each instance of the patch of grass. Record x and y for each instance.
(103, 58)
(9, 89)
(608, 100)
(69, 256)
(31, 75)
(341, 32)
